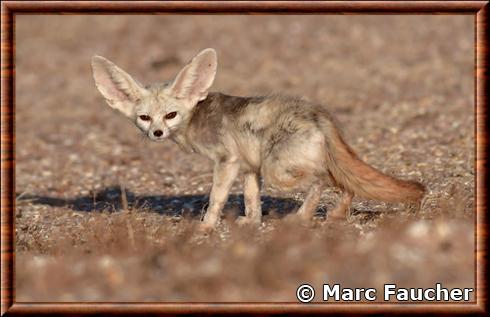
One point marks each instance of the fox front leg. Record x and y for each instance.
(223, 177)
(251, 193)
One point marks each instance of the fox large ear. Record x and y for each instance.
(194, 80)
(119, 89)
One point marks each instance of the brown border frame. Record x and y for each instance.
(9, 9)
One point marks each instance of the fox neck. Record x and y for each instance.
(181, 139)
(200, 132)
(181, 136)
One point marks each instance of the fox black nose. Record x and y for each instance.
(158, 133)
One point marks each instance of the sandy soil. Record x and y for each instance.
(104, 215)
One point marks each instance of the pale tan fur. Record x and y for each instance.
(289, 143)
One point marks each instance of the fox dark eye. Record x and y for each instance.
(170, 115)
(144, 117)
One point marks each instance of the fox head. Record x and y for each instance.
(160, 109)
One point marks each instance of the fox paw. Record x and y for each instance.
(298, 217)
(338, 214)
(205, 227)
(247, 221)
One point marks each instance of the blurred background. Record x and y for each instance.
(105, 215)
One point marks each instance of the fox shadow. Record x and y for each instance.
(114, 199)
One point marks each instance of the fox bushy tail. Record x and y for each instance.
(352, 174)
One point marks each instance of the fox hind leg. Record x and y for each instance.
(308, 208)
(342, 210)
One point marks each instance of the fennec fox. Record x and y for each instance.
(292, 144)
